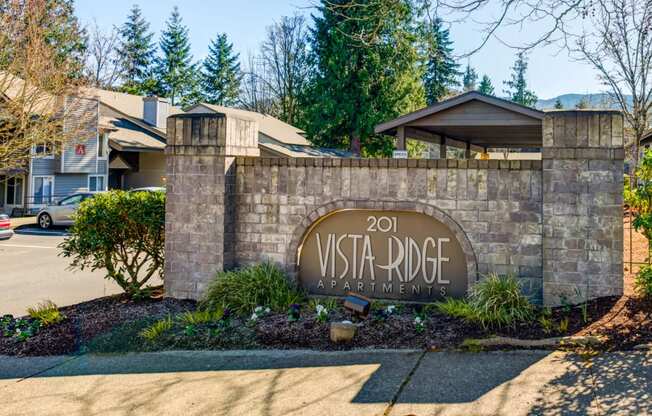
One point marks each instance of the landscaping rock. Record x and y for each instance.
(342, 331)
(587, 340)
(643, 347)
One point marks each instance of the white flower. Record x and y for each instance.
(267, 310)
(253, 317)
(390, 309)
(319, 308)
(417, 320)
(258, 309)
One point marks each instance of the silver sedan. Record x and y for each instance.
(61, 212)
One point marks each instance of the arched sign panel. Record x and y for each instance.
(382, 254)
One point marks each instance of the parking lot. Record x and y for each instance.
(31, 271)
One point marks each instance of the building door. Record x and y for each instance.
(14, 191)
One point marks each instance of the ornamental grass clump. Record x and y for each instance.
(495, 302)
(244, 289)
(46, 312)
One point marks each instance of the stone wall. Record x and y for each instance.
(582, 205)
(556, 223)
(496, 204)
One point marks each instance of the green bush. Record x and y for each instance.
(46, 312)
(123, 233)
(643, 281)
(243, 289)
(495, 302)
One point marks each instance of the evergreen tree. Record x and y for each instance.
(366, 72)
(486, 87)
(136, 52)
(558, 104)
(175, 72)
(470, 79)
(582, 104)
(221, 73)
(517, 86)
(441, 69)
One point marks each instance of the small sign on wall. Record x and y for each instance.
(80, 149)
(400, 154)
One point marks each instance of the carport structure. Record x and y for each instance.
(472, 121)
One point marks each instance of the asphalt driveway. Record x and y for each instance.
(31, 271)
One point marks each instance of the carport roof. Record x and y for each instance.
(473, 118)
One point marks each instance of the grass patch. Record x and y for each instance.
(243, 289)
(46, 312)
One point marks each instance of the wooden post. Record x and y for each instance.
(400, 138)
(442, 147)
(467, 153)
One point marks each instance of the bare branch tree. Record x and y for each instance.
(285, 56)
(255, 94)
(618, 44)
(38, 81)
(102, 62)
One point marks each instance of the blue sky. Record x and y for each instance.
(551, 72)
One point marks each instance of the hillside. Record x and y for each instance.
(569, 101)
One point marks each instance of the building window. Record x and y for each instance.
(44, 151)
(102, 146)
(43, 187)
(96, 183)
(14, 191)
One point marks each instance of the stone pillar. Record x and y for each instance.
(200, 181)
(582, 205)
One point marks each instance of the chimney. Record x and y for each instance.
(156, 111)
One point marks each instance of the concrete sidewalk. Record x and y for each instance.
(317, 383)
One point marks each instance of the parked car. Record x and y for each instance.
(148, 189)
(5, 227)
(61, 212)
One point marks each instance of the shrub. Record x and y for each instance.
(122, 232)
(152, 332)
(494, 302)
(243, 289)
(457, 308)
(46, 312)
(643, 281)
(201, 316)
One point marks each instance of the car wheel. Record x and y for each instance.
(44, 221)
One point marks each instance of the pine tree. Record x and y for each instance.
(486, 87)
(517, 86)
(582, 104)
(176, 74)
(221, 73)
(136, 52)
(366, 72)
(63, 31)
(470, 78)
(441, 69)
(558, 104)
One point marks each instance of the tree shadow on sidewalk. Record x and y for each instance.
(607, 384)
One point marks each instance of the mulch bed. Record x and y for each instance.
(86, 320)
(625, 322)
